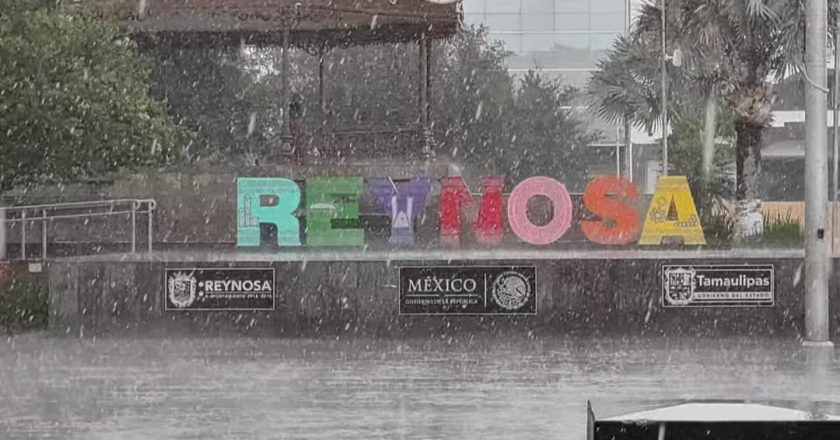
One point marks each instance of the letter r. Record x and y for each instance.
(251, 212)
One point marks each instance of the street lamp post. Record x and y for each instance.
(664, 96)
(817, 231)
(835, 101)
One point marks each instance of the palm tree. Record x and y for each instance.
(733, 49)
(627, 82)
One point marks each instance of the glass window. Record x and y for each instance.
(494, 6)
(538, 6)
(608, 5)
(475, 19)
(503, 22)
(613, 21)
(474, 6)
(512, 42)
(551, 41)
(571, 22)
(537, 22)
(603, 41)
(571, 6)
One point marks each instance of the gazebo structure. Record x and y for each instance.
(316, 26)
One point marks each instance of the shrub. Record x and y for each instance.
(718, 227)
(23, 303)
(783, 230)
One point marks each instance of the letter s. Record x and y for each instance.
(597, 200)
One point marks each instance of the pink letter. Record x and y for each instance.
(518, 210)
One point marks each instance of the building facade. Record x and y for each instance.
(564, 37)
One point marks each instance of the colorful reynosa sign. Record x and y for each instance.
(331, 207)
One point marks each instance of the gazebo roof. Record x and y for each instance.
(310, 22)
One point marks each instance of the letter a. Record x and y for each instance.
(672, 191)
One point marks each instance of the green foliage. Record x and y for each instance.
(686, 147)
(548, 140)
(75, 98)
(783, 230)
(473, 101)
(718, 226)
(628, 81)
(23, 303)
(730, 50)
(480, 115)
(108, 9)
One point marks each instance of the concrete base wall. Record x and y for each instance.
(575, 296)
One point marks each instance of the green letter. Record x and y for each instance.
(332, 211)
(267, 200)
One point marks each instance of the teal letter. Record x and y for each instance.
(267, 200)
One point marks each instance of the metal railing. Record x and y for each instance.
(45, 214)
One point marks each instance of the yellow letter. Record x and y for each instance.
(672, 190)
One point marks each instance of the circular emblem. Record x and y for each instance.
(182, 289)
(511, 290)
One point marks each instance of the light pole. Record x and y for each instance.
(664, 96)
(835, 101)
(816, 183)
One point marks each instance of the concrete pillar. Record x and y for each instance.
(817, 228)
(425, 79)
(286, 123)
(322, 93)
(141, 9)
(2, 233)
(664, 84)
(628, 149)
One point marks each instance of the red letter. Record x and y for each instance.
(488, 227)
(621, 212)
(453, 195)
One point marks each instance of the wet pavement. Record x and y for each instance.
(464, 388)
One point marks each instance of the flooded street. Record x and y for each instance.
(482, 388)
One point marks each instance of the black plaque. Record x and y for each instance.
(718, 286)
(468, 290)
(219, 289)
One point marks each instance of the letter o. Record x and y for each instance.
(518, 210)
(471, 283)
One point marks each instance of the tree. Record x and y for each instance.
(712, 192)
(548, 139)
(627, 82)
(480, 115)
(732, 49)
(75, 100)
(204, 90)
(473, 109)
